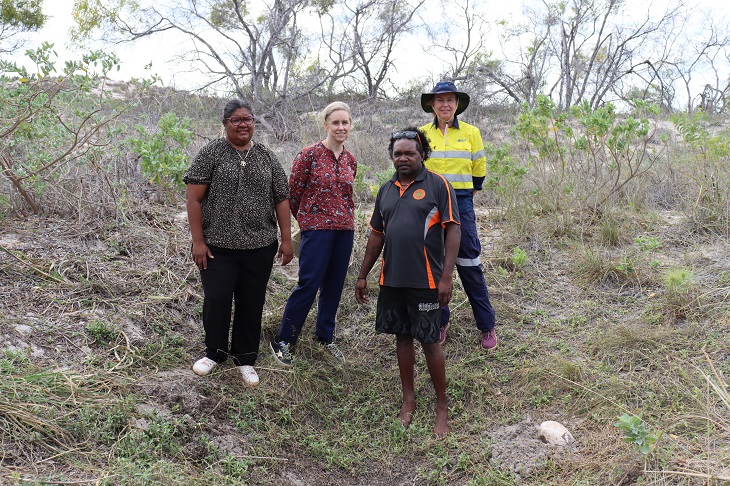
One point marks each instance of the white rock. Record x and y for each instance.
(23, 329)
(555, 433)
(134, 332)
(10, 241)
(36, 352)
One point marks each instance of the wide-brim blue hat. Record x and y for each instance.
(444, 87)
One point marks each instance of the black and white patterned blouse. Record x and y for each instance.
(243, 189)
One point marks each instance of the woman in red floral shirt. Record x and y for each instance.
(320, 187)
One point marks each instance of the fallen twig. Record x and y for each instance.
(33, 267)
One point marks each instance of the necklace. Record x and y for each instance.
(242, 157)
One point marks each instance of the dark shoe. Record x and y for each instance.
(282, 351)
(333, 350)
(442, 334)
(489, 340)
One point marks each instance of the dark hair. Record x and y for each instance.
(421, 141)
(234, 105)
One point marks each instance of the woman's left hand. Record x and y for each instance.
(286, 252)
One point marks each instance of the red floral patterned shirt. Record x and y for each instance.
(320, 189)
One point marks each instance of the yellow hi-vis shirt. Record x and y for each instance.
(458, 155)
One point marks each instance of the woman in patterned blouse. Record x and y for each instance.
(237, 193)
(320, 187)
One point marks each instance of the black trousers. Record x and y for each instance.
(241, 275)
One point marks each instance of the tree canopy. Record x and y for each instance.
(18, 16)
(25, 15)
(278, 51)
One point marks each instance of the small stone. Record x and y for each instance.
(23, 329)
(36, 352)
(555, 433)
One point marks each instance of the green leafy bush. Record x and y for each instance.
(586, 158)
(706, 200)
(505, 175)
(695, 132)
(54, 121)
(163, 159)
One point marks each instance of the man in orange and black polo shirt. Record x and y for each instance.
(412, 212)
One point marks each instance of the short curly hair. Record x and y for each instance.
(415, 134)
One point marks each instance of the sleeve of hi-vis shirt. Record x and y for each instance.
(448, 207)
(478, 160)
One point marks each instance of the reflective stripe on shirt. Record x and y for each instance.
(457, 178)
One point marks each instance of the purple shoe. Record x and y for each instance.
(489, 340)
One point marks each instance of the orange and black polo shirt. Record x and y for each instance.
(412, 220)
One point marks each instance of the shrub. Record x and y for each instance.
(584, 159)
(707, 201)
(163, 159)
(51, 125)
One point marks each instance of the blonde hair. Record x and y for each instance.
(335, 106)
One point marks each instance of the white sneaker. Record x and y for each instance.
(250, 377)
(204, 366)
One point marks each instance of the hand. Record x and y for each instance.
(286, 252)
(445, 286)
(361, 291)
(201, 253)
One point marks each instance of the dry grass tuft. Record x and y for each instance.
(39, 409)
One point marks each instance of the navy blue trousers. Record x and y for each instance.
(241, 275)
(469, 268)
(324, 256)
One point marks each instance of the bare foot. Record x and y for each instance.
(442, 427)
(406, 412)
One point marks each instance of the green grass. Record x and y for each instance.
(48, 411)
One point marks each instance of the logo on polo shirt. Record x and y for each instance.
(419, 194)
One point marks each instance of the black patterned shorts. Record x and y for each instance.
(408, 311)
